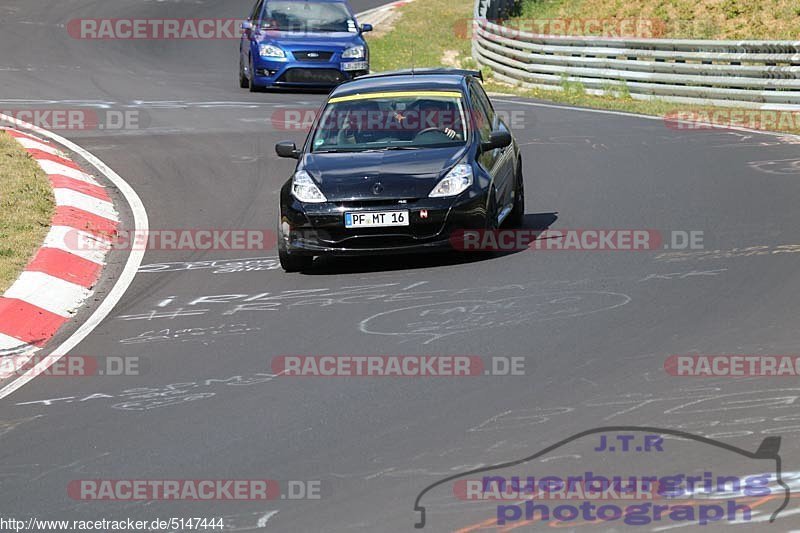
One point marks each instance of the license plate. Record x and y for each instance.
(376, 219)
(355, 65)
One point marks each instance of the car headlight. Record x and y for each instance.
(354, 52)
(305, 190)
(270, 50)
(455, 182)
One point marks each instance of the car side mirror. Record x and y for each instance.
(246, 25)
(366, 27)
(497, 139)
(287, 149)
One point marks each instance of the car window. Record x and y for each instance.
(392, 120)
(307, 16)
(484, 99)
(480, 116)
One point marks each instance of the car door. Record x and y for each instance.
(505, 162)
(498, 162)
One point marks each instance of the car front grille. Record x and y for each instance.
(312, 75)
(376, 204)
(330, 229)
(313, 56)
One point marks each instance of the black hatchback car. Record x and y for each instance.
(399, 162)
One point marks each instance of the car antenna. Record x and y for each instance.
(412, 60)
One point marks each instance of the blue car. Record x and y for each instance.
(301, 43)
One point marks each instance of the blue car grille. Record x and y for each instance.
(313, 56)
(312, 75)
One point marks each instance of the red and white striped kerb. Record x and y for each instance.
(60, 277)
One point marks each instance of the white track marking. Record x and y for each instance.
(10, 345)
(48, 292)
(36, 145)
(69, 240)
(140, 223)
(51, 167)
(78, 200)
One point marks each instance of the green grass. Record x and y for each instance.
(432, 32)
(699, 19)
(26, 206)
(425, 30)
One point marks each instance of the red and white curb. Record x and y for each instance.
(60, 277)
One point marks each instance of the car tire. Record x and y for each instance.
(244, 83)
(517, 216)
(294, 263)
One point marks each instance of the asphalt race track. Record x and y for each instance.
(594, 328)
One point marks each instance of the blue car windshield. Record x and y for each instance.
(306, 16)
(395, 120)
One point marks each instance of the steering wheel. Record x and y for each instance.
(440, 131)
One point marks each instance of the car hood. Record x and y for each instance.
(305, 40)
(380, 175)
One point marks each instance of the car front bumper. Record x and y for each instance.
(306, 73)
(318, 229)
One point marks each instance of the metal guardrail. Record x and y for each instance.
(752, 74)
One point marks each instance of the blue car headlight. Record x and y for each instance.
(270, 50)
(354, 52)
(455, 182)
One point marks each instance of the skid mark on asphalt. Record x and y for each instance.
(499, 305)
(202, 334)
(6, 426)
(683, 275)
(233, 304)
(747, 140)
(166, 315)
(148, 398)
(672, 411)
(217, 266)
(324, 297)
(781, 167)
(76, 467)
(750, 251)
(439, 320)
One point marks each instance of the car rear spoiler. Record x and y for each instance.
(426, 71)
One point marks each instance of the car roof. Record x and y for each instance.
(406, 81)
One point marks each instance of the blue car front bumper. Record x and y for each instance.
(289, 72)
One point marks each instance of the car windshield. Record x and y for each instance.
(391, 121)
(306, 16)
